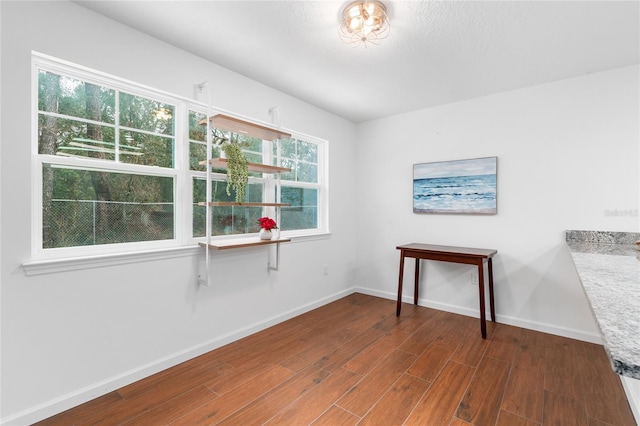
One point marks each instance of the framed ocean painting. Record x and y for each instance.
(460, 186)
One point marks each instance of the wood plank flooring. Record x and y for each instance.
(353, 362)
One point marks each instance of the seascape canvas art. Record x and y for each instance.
(460, 186)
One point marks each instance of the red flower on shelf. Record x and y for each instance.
(267, 223)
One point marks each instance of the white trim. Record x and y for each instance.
(502, 319)
(306, 237)
(80, 396)
(36, 167)
(49, 266)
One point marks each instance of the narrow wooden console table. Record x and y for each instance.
(469, 256)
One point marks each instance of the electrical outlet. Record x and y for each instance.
(474, 278)
(325, 270)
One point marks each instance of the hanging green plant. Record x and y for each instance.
(237, 167)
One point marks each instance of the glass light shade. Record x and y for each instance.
(364, 22)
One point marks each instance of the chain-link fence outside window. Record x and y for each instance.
(91, 222)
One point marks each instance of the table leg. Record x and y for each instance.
(416, 282)
(400, 276)
(493, 309)
(483, 320)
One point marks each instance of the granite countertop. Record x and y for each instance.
(608, 265)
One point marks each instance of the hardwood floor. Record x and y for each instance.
(353, 362)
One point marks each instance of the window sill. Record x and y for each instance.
(50, 266)
(307, 237)
(40, 267)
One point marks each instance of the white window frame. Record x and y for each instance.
(38, 160)
(321, 185)
(45, 260)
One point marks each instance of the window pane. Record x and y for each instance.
(146, 149)
(307, 172)
(252, 157)
(197, 142)
(299, 156)
(71, 138)
(307, 152)
(146, 114)
(197, 132)
(297, 150)
(89, 207)
(250, 144)
(75, 98)
(303, 213)
(196, 152)
(287, 148)
(290, 164)
(225, 220)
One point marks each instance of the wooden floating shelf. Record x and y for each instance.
(221, 163)
(231, 244)
(233, 204)
(235, 125)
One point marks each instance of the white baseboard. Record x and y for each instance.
(503, 319)
(80, 396)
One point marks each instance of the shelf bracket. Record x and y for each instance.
(270, 267)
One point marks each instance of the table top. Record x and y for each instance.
(463, 251)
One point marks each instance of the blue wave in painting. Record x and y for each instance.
(455, 194)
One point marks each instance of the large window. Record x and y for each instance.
(112, 160)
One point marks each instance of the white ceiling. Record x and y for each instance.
(437, 52)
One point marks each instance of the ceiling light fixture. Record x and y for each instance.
(364, 22)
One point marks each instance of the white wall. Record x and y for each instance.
(69, 336)
(567, 152)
